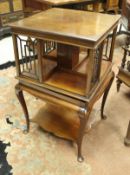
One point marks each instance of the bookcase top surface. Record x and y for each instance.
(74, 25)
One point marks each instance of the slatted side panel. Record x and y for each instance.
(28, 56)
(109, 46)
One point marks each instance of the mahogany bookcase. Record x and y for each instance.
(67, 62)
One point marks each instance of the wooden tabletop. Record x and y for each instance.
(63, 2)
(72, 25)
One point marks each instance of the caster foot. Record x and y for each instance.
(80, 159)
(25, 131)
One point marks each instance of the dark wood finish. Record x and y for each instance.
(20, 96)
(104, 98)
(123, 75)
(68, 56)
(112, 5)
(80, 78)
(107, 5)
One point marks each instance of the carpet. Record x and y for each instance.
(40, 153)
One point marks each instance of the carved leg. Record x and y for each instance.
(20, 96)
(127, 138)
(83, 115)
(118, 85)
(105, 97)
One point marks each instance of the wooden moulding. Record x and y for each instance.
(51, 99)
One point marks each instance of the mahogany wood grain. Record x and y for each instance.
(84, 80)
(90, 32)
(58, 120)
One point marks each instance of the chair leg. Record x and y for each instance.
(105, 98)
(83, 115)
(20, 97)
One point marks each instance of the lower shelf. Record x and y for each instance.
(58, 120)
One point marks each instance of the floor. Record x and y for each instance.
(44, 154)
(6, 50)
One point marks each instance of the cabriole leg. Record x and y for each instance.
(20, 96)
(83, 116)
(105, 98)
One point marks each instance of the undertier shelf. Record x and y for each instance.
(58, 120)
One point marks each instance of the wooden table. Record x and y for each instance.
(33, 5)
(71, 73)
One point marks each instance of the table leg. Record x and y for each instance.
(127, 138)
(83, 116)
(105, 98)
(20, 96)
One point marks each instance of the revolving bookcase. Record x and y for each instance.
(66, 61)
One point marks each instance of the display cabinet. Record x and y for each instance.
(10, 10)
(67, 62)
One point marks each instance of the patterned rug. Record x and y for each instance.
(38, 152)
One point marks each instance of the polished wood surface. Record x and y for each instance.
(62, 2)
(57, 69)
(58, 120)
(68, 26)
(33, 5)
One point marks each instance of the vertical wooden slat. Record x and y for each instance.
(40, 51)
(30, 60)
(25, 52)
(16, 54)
(106, 49)
(21, 49)
(100, 58)
(89, 70)
(35, 67)
(112, 44)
